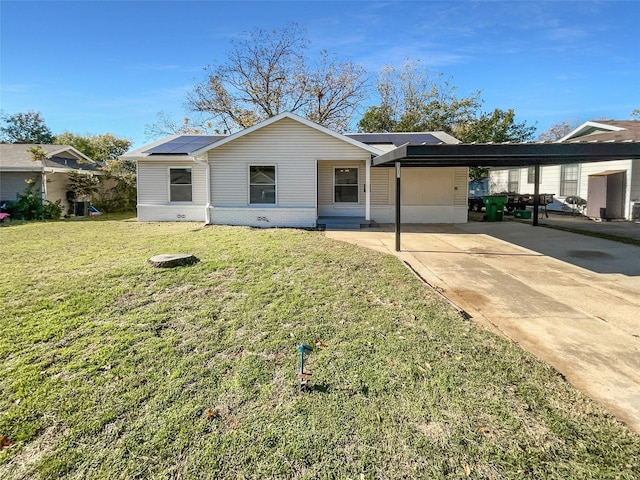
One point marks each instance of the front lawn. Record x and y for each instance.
(111, 369)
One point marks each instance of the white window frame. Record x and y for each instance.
(357, 169)
(563, 181)
(531, 175)
(169, 184)
(275, 185)
(516, 172)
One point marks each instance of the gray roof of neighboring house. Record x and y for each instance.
(623, 130)
(16, 156)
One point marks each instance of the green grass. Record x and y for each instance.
(112, 369)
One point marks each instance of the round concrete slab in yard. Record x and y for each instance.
(170, 260)
(572, 300)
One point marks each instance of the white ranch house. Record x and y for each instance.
(613, 186)
(290, 172)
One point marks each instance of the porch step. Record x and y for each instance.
(342, 223)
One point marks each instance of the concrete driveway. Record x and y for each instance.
(571, 300)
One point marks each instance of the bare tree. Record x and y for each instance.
(336, 90)
(166, 125)
(267, 73)
(558, 130)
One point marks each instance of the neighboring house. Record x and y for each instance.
(50, 175)
(611, 189)
(289, 171)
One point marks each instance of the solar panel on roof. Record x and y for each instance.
(185, 144)
(396, 139)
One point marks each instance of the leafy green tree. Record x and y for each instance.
(498, 126)
(26, 127)
(414, 99)
(115, 190)
(378, 119)
(267, 73)
(120, 177)
(100, 148)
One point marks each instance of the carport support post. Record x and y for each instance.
(397, 206)
(536, 194)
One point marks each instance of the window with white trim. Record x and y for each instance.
(531, 175)
(514, 180)
(569, 180)
(345, 186)
(262, 184)
(180, 188)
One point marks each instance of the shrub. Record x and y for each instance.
(29, 206)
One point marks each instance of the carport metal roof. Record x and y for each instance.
(507, 154)
(502, 155)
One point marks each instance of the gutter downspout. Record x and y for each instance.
(43, 186)
(43, 183)
(207, 212)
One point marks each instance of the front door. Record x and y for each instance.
(341, 188)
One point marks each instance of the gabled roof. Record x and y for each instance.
(16, 157)
(605, 131)
(296, 118)
(152, 150)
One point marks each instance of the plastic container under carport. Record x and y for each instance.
(495, 207)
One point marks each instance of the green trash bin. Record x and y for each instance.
(495, 207)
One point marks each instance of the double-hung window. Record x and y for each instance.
(180, 188)
(346, 185)
(531, 174)
(569, 180)
(262, 184)
(514, 180)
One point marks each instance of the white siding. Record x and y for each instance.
(294, 148)
(460, 187)
(326, 205)
(498, 180)
(551, 177)
(429, 195)
(381, 178)
(153, 181)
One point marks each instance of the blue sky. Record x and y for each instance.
(97, 67)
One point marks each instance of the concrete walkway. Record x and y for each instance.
(571, 300)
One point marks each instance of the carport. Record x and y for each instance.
(500, 155)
